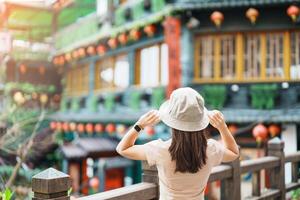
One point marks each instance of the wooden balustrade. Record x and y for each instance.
(228, 174)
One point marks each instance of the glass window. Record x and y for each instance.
(153, 63)
(112, 72)
(206, 57)
(252, 56)
(77, 80)
(274, 66)
(228, 56)
(295, 55)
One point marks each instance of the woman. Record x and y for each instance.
(185, 161)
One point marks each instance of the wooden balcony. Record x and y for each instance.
(229, 175)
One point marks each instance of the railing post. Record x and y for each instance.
(277, 175)
(51, 184)
(231, 187)
(150, 175)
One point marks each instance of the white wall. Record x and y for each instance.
(289, 136)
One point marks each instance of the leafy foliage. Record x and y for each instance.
(6, 195)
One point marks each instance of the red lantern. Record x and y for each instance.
(81, 52)
(42, 70)
(293, 12)
(112, 43)
(101, 49)
(232, 128)
(94, 183)
(58, 126)
(217, 18)
(72, 126)
(110, 128)
(99, 128)
(68, 57)
(274, 130)
(260, 133)
(91, 50)
(89, 128)
(123, 38)
(80, 128)
(135, 34)
(75, 54)
(53, 125)
(150, 130)
(65, 127)
(150, 30)
(61, 60)
(252, 15)
(23, 69)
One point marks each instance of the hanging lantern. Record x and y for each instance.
(72, 126)
(110, 128)
(101, 49)
(94, 183)
(52, 125)
(81, 52)
(75, 54)
(135, 34)
(91, 50)
(58, 126)
(274, 130)
(123, 38)
(99, 128)
(23, 69)
(80, 128)
(65, 126)
(149, 130)
(260, 133)
(43, 98)
(112, 43)
(89, 128)
(150, 30)
(293, 12)
(217, 18)
(55, 61)
(42, 70)
(232, 128)
(252, 14)
(68, 57)
(121, 129)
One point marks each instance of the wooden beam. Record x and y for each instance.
(239, 56)
(287, 54)
(217, 58)
(197, 58)
(263, 50)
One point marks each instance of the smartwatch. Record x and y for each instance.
(137, 128)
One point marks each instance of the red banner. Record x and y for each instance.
(172, 38)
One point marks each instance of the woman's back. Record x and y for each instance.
(181, 185)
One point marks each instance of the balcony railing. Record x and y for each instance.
(228, 174)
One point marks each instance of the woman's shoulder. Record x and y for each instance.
(214, 146)
(159, 143)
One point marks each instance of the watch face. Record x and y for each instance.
(137, 128)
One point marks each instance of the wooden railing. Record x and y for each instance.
(228, 174)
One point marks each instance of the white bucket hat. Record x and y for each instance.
(185, 110)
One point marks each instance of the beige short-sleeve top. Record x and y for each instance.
(178, 186)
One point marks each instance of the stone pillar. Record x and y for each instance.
(51, 184)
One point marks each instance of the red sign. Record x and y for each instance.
(172, 38)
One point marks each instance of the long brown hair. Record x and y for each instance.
(188, 150)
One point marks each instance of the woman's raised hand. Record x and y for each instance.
(149, 119)
(216, 119)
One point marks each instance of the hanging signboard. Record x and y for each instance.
(5, 42)
(172, 39)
